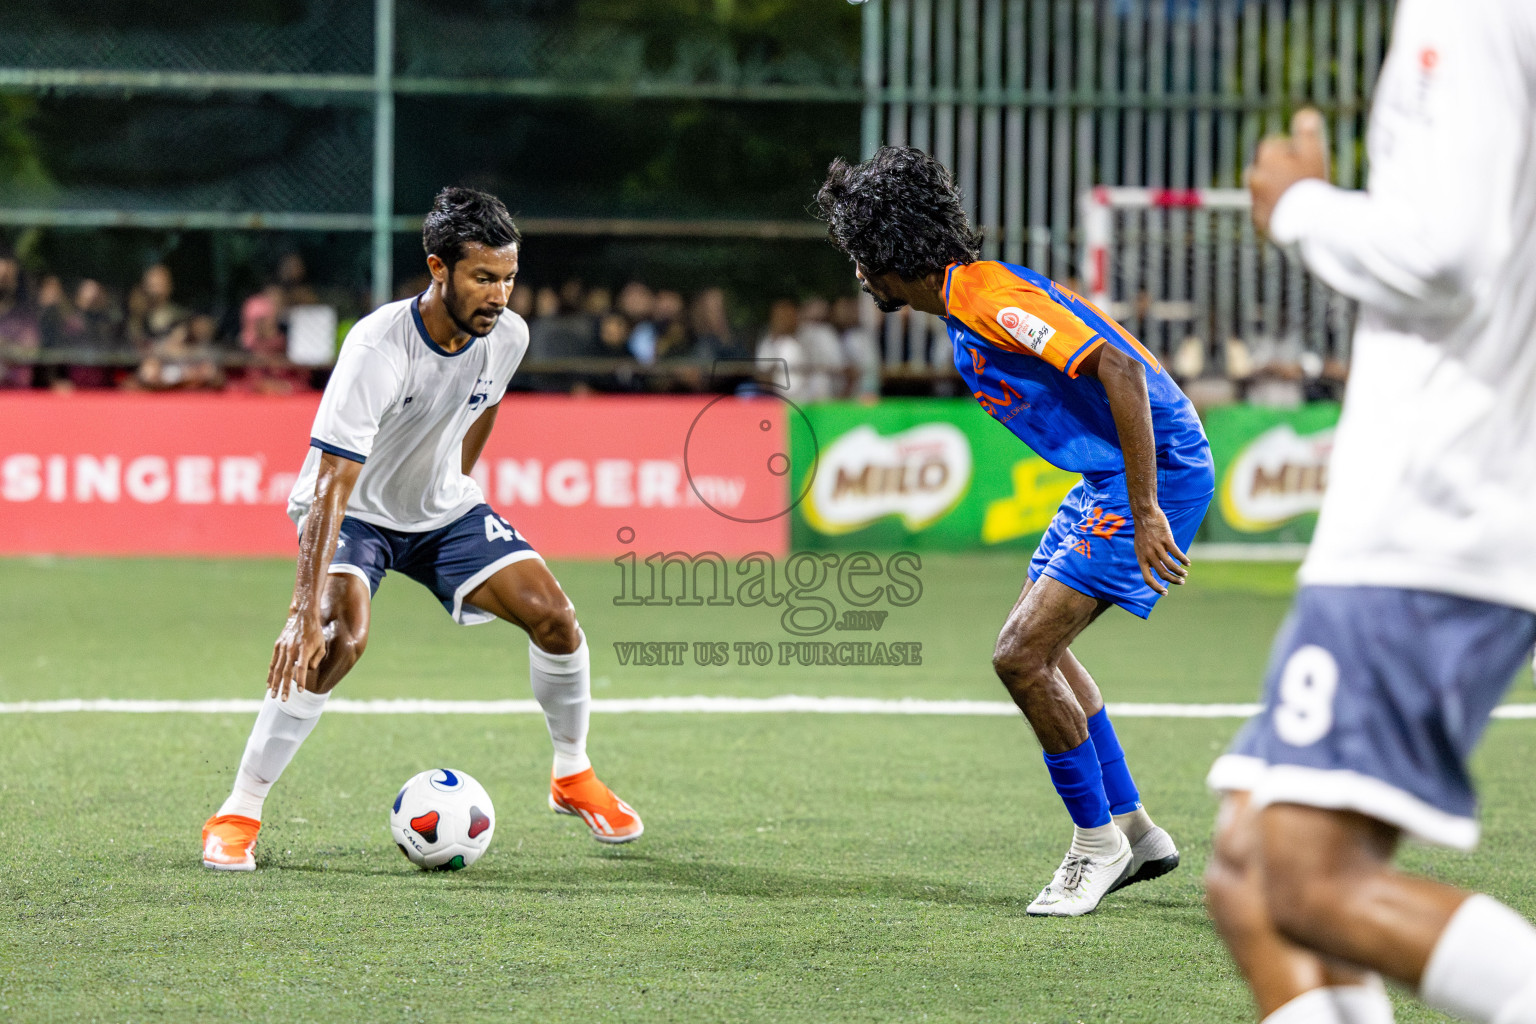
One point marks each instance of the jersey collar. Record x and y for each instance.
(421, 328)
(949, 275)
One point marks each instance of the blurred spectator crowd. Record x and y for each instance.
(64, 335)
(83, 334)
(591, 339)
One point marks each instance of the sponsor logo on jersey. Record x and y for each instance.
(1010, 400)
(1025, 328)
(480, 394)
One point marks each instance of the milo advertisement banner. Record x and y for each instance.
(940, 473)
(1271, 470)
(916, 473)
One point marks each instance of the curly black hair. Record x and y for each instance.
(897, 211)
(461, 215)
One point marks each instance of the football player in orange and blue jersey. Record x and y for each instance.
(1088, 398)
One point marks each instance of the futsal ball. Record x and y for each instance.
(442, 820)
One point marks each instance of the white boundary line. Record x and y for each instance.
(1247, 552)
(657, 705)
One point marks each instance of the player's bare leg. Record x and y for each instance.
(1329, 885)
(1046, 619)
(347, 612)
(526, 594)
(1288, 981)
(229, 837)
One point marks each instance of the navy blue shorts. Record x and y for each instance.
(1374, 701)
(450, 561)
(1091, 545)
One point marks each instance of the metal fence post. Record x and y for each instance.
(383, 149)
(874, 62)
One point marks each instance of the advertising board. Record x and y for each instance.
(135, 474)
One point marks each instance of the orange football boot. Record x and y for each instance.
(229, 842)
(584, 795)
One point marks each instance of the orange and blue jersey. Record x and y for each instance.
(1020, 341)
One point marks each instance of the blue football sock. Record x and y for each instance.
(1119, 787)
(1080, 783)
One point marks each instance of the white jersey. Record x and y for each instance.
(1433, 476)
(400, 404)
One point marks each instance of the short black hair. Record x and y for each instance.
(897, 211)
(461, 215)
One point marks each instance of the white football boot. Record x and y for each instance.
(1082, 881)
(1152, 856)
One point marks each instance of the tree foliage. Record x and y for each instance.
(21, 164)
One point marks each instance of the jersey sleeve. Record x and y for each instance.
(1011, 314)
(363, 386)
(512, 355)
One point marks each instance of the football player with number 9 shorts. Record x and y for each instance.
(1418, 596)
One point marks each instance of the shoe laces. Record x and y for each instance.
(1071, 872)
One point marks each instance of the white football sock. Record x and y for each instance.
(1481, 966)
(1102, 841)
(1134, 824)
(1519, 1008)
(562, 684)
(1366, 1003)
(280, 727)
(1315, 1007)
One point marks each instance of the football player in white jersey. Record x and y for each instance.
(386, 485)
(1418, 596)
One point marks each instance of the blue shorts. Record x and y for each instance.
(1091, 545)
(1374, 700)
(450, 561)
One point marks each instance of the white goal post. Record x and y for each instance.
(1184, 267)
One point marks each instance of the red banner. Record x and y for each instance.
(123, 474)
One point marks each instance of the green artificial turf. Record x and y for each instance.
(198, 629)
(794, 867)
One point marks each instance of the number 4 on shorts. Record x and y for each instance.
(497, 528)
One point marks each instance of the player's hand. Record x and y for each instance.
(1157, 554)
(1283, 160)
(299, 650)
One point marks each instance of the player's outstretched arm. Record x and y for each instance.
(1125, 384)
(474, 439)
(301, 645)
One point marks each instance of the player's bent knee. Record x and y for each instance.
(1234, 898)
(342, 652)
(1020, 668)
(1235, 846)
(556, 632)
(350, 647)
(1225, 901)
